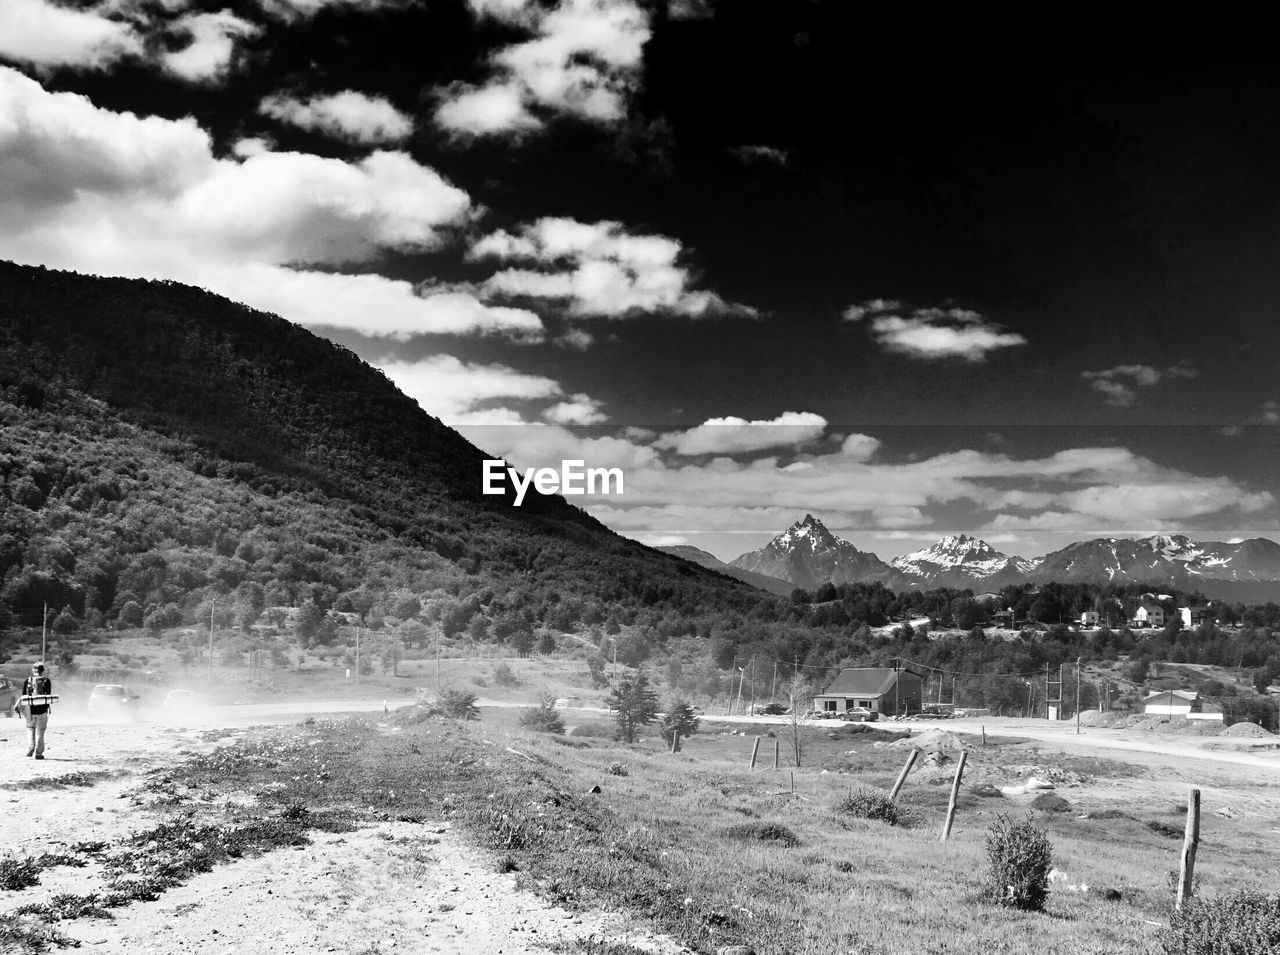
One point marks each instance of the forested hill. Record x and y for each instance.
(162, 445)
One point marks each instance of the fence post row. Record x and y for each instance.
(1190, 842)
(955, 790)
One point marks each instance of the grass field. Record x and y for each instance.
(713, 854)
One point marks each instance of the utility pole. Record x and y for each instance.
(753, 685)
(212, 604)
(1030, 686)
(732, 670)
(1077, 696)
(742, 675)
(44, 631)
(357, 657)
(437, 658)
(896, 711)
(773, 688)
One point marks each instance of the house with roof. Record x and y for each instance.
(1171, 703)
(882, 689)
(1149, 615)
(1195, 616)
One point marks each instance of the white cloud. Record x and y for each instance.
(1119, 384)
(733, 435)
(305, 9)
(690, 9)
(579, 409)
(352, 116)
(598, 269)
(454, 390)
(484, 111)
(760, 154)
(110, 193)
(46, 35)
(934, 333)
(583, 60)
(207, 57)
(1270, 413)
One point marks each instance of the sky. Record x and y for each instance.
(768, 258)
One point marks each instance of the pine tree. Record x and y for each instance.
(635, 704)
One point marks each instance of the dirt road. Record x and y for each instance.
(391, 887)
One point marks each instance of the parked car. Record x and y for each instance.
(860, 714)
(113, 699)
(8, 696)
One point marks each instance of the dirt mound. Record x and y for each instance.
(931, 741)
(1178, 727)
(1094, 718)
(1246, 729)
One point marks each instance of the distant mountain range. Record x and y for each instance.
(774, 585)
(808, 555)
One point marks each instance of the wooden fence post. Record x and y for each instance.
(1190, 842)
(775, 754)
(902, 776)
(754, 750)
(955, 790)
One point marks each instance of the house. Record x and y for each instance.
(1003, 619)
(1149, 615)
(1089, 619)
(1172, 703)
(1195, 616)
(882, 689)
(987, 598)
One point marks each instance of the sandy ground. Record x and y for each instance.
(392, 887)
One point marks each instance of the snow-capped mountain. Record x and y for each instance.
(808, 555)
(1165, 557)
(959, 561)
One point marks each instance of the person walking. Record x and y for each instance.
(37, 692)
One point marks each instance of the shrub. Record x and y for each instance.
(1244, 923)
(503, 675)
(867, 803)
(1019, 857)
(763, 832)
(18, 873)
(543, 718)
(458, 705)
(1050, 802)
(617, 769)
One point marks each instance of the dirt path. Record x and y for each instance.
(391, 887)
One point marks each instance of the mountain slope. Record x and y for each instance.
(808, 555)
(695, 555)
(162, 445)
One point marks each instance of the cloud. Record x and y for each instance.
(690, 9)
(207, 58)
(485, 111)
(759, 154)
(1119, 384)
(583, 60)
(855, 313)
(579, 409)
(1270, 413)
(305, 9)
(933, 333)
(454, 390)
(733, 435)
(46, 35)
(598, 269)
(109, 193)
(351, 116)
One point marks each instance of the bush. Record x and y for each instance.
(543, 718)
(763, 832)
(1244, 923)
(617, 769)
(503, 675)
(1019, 857)
(1050, 802)
(867, 803)
(458, 705)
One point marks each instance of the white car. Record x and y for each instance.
(113, 699)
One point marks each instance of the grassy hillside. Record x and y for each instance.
(163, 447)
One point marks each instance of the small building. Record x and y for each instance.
(882, 689)
(1002, 619)
(1172, 703)
(987, 598)
(1149, 615)
(1195, 616)
(1089, 619)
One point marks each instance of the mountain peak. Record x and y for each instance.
(808, 554)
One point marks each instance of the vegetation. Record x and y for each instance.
(1019, 857)
(634, 704)
(679, 722)
(867, 803)
(543, 718)
(1240, 923)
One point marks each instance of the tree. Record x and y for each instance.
(547, 643)
(66, 622)
(543, 718)
(309, 619)
(522, 642)
(679, 722)
(799, 691)
(634, 703)
(596, 665)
